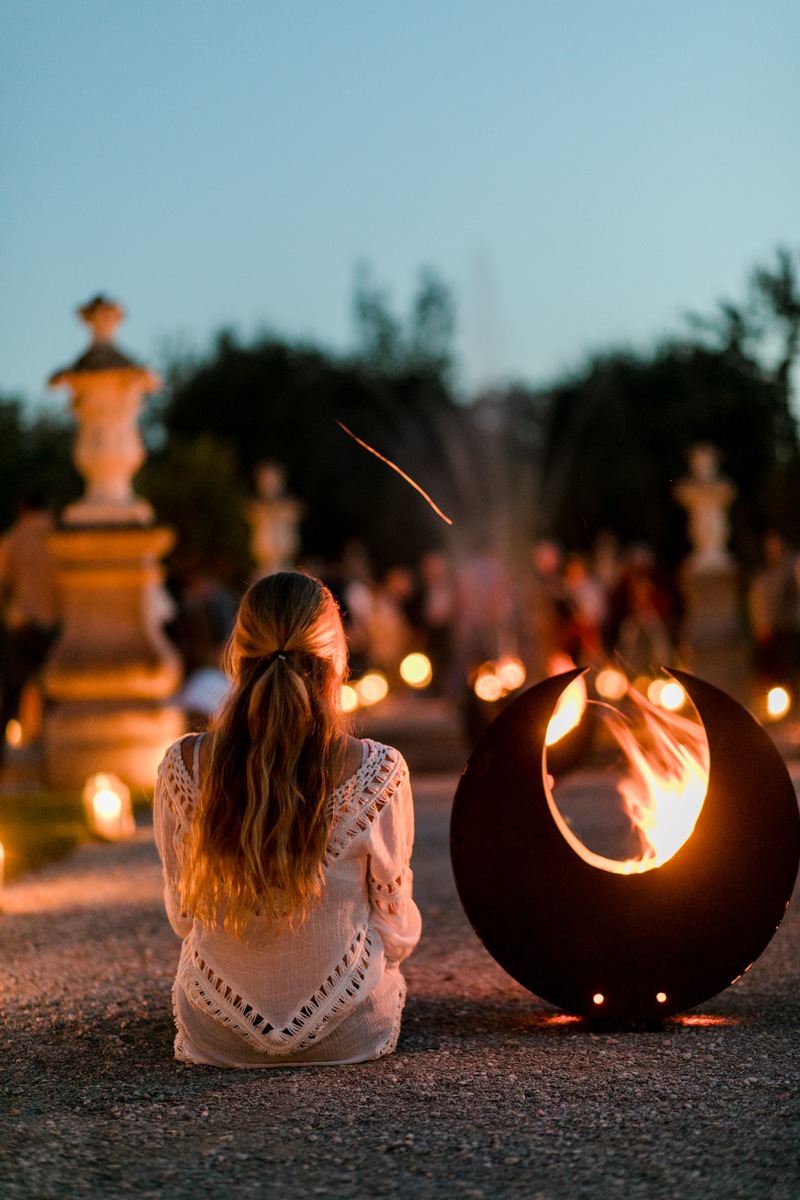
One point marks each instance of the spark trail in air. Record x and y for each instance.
(401, 473)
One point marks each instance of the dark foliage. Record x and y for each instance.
(617, 433)
(35, 457)
(271, 400)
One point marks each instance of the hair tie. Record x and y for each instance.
(280, 654)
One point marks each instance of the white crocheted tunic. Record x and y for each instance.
(330, 992)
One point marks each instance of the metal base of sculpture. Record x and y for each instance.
(625, 946)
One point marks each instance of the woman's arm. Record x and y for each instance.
(169, 833)
(389, 877)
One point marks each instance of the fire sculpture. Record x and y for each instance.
(612, 940)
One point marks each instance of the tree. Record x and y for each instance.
(35, 456)
(419, 345)
(276, 400)
(618, 431)
(194, 485)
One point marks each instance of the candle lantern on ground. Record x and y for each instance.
(107, 803)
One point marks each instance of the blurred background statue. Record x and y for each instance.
(714, 638)
(274, 518)
(706, 495)
(111, 672)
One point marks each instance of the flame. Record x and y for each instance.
(569, 711)
(667, 784)
(664, 789)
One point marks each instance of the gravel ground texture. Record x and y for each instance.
(491, 1093)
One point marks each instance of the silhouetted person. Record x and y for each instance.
(641, 614)
(434, 614)
(774, 602)
(31, 604)
(546, 610)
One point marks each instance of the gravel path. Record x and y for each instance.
(491, 1093)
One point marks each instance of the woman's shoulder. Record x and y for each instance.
(378, 765)
(364, 796)
(175, 774)
(386, 762)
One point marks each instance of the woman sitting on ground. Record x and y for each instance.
(286, 846)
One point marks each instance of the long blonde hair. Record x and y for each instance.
(258, 836)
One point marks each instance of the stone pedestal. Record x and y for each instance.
(112, 669)
(715, 641)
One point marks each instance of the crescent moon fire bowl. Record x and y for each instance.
(624, 946)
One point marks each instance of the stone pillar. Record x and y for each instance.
(111, 672)
(715, 640)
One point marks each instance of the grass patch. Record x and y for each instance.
(41, 827)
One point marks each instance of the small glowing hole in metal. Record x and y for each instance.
(661, 997)
(598, 998)
(778, 703)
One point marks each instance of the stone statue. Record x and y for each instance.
(274, 517)
(707, 495)
(111, 674)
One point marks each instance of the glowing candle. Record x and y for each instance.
(108, 807)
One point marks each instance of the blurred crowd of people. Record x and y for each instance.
(614, 603)
(563, 605)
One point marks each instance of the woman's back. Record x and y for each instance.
(269, 998)
(286, 847)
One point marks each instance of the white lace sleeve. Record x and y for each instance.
(393, 912)
(171, 809)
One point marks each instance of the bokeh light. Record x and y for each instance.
(778, 703)
(108, 806)
(372, 687)
(673, 697)
(13, 733)
(611, 684)
(511, 673)
(488, 687)
(416, 670)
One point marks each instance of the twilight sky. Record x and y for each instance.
(581, 172)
